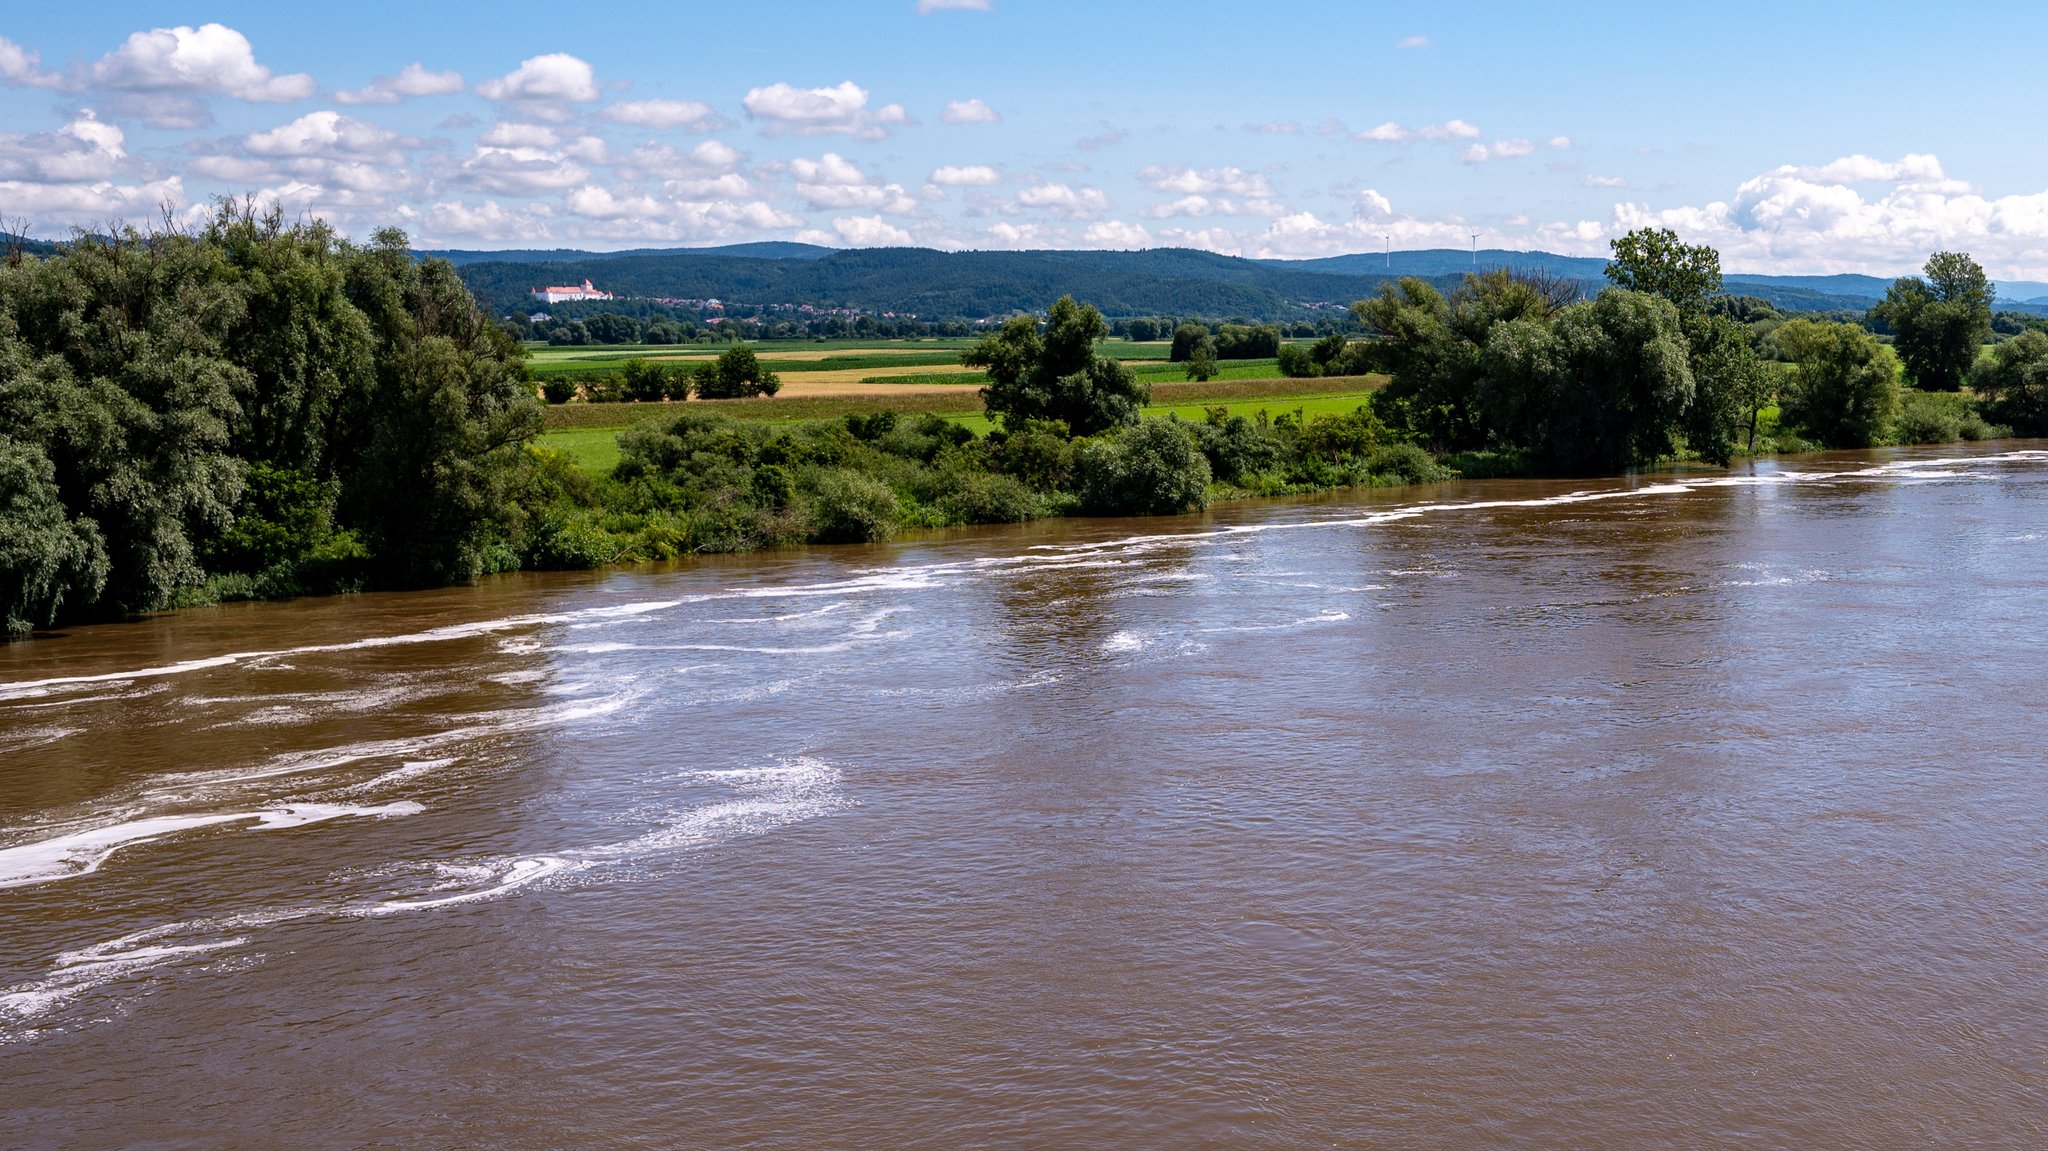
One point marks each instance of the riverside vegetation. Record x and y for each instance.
(256, 409)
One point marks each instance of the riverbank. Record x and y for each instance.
(703, 477)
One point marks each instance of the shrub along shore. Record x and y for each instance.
(257, 410)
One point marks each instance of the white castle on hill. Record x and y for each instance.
(556, 295)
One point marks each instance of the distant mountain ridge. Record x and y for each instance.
(1148, 282)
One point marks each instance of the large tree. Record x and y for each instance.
(1845, 391)
(1431, 346)
(1939, 323)
(181, 405)
(1653, 260)
(1605, 385)
(1056, 375)
(2013, 380)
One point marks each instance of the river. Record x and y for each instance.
(1666, 812)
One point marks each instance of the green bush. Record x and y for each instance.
(1845, 390)
(985, 498)
(558, 389)
(1156, 468)
(1487, 465)
(1040, 453)
(1237, 448)
(1405, 463)
(1296, 362)
(848, 507)
(563, 539)
(1349, 436)
(772, 487)
(1931, 418)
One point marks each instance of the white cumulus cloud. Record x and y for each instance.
(514, 134)
(554, 78)
(1498, 150)
(969, 112)
(833, 181)
(659, 113)
(84, 150)
(841, 109)
(1394, 133)
(1063, 200)
(861, 232)
(212, 59)
(19, 65)
(325, 134)
(520, 171)
(971, 176)
(1235, 181)
(1116, 234)
(412, 80)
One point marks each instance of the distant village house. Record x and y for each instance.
(556, 295)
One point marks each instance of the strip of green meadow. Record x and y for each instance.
(588, 433)
(586, 361)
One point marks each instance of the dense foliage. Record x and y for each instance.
(1655, 365)
(2013, 379)
(1845, 391)
(1938, 323)
(252, 403)
(1055, 374)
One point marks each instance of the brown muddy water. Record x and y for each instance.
(1665, 813)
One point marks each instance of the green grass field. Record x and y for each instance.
(588, 433)
(839, 355)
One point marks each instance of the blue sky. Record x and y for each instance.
(1796, 138)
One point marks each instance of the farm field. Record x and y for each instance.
(588, 433)
(856, 368)
(793, 356)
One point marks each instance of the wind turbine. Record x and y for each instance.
(1475, 249)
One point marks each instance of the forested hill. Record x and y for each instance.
(9, 242)
(1158, 281)
(928, 283)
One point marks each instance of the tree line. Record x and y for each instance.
(252, 408)
(253, 404)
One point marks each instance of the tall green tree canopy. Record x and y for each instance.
(1056, 375)
(2013, 380)
(1845, 390)
(1432, 346)
(1940, 323)
(1653, 260)
(144, 377)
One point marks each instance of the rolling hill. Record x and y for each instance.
(1155, 281)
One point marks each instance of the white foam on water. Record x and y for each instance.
(77, 972)
(1123, 641)
(22, 739)
(481, 725)
(1038, 556)
(39, 687)
(790, 791)
(516, 874)
(1331, 616)
(787, 617)
(411, 769)
(769, 797)
(83, 852)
